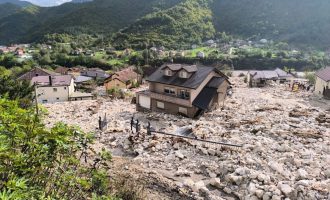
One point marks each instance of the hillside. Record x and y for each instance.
(99, 16)
(301, 22)
(187, 22)
(7, 9)
(173, 22)
(16, 2)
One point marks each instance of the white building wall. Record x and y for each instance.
(320, 85)
(52, 94)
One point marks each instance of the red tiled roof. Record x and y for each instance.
(124, 75)
(324, 74)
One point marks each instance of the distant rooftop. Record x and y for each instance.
(324, 74)
(61, 80)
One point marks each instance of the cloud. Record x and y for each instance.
(48, 2)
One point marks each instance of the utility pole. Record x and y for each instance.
(36, 99)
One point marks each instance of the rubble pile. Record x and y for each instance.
(285, 153)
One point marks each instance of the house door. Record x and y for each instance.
(144, 102)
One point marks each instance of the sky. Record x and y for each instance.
(48, 2)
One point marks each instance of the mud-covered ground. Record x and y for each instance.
(285, 142)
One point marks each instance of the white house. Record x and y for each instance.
(201, 54)
(322, 83)
(51, 89)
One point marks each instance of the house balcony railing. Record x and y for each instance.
(167, 98)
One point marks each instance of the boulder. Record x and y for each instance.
(179, 155)
(215, 182)
(286, 189)
(302, 174)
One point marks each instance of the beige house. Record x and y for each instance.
(322, 84)
(122, 79)
(187, 90)
(51, 89)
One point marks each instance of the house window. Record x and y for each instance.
(64, 88)
(183, 110)
(160, 105)
(184, 94)
(168, 72)
(54, 89)
(168, 90)
(183, 74)
(44, 101)
(57, 98)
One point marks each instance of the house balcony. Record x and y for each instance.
(166, 98)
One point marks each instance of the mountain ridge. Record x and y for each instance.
(300, 22)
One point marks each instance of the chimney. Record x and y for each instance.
(50, 80)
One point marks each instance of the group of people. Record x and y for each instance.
(296, 86)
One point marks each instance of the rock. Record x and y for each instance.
(267, 196)
(215, 182)
(304, 183)
(302, 174)
(179, 155)
(227, 190)
(327, 173)
(259, 193)
(277, 167)
(198, 185)
(188, 182)
(263, 178)
(235, 179)
(252, 188)
(182, 172)
(276, 197)
(286, 189)
(212, 152)
(204, 151)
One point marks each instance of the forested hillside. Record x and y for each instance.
(8, 9)
(186, 23)
(99, 16)
(300, 22)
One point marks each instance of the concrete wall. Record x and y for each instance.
(320, 85)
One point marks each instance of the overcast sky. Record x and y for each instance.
(48, 2)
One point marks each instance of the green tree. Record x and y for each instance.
(41, 163)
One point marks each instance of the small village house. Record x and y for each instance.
(283, 76)
(200, 54)
(123, 79)
(95, 73)
(322, 84)
(74, 71)
(189, 90)
(260, 78)
(35, 72)
(51, 89)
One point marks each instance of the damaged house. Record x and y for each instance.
(322, 85)
(188, 90)
(260, 78)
